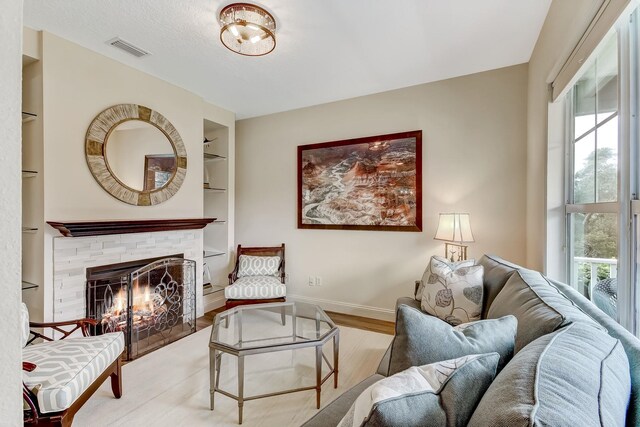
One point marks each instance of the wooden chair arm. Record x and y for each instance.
(233, 276)
(91, 322)
(82, 324)
(29, 397)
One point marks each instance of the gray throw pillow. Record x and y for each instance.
(539, 306)
(496, 273)
(577, 376)
(421, 339)
(439, 394)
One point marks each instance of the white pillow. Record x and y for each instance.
(453, 293)
(432, 391)
(427, 271)
(249, 265)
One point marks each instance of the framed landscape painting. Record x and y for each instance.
(372, 183)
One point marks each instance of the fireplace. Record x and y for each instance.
(152, 301)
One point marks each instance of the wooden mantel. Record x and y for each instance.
(102, 227)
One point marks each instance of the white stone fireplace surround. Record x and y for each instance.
(72, 256)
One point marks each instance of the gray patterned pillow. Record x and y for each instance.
(249, 265)
(438, 394)
(453, 293)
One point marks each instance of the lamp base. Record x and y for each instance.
(450, 252)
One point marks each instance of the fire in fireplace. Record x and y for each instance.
(152, 301)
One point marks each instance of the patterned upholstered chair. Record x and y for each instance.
(605, 296)
(258, 277)
(60, 376)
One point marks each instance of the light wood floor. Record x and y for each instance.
(340, 319)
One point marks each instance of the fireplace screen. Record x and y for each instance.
(153, 305)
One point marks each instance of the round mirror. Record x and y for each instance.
(140, 156)
(136, 154)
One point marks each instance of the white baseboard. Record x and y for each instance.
(213, 301)
(348, 308)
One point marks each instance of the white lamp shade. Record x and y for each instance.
(454, 227)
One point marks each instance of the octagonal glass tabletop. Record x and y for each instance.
(260, 326)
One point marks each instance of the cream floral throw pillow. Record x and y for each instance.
(427, 271)
(453, 293)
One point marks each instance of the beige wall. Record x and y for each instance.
(127, 149)
(474, 145)
(78, 85)
(566, 22)
(10, 130)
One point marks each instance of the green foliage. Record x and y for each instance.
(585, 181)
(595, 234)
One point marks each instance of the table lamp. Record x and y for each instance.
(454, 229)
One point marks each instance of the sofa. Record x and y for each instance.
(546, 346)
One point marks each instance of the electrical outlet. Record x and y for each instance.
(312, 281)
(318, 281)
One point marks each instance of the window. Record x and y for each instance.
(592, 197)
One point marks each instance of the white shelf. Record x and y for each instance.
(208, 253)
(29, 229)
(28, 117)
(28, 285)
(208, 289)
(215, 190)
(29, 174)
(208, 157)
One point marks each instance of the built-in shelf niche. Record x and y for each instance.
(216, 194)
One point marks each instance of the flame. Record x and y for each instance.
(143, 303)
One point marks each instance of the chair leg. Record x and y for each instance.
(282, 315)
(116, 380)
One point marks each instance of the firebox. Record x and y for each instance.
(152, 301)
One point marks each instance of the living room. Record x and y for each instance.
(487, 98)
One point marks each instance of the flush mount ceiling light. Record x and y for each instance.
(247, 29)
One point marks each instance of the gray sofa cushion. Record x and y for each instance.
(630, 343)
(539, 306)
(439, 394)
(331, 414)
(422, 339)
(577, 376)
(496, 273)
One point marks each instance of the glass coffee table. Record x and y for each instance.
(266, 328)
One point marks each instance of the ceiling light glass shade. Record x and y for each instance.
(247, 29)
(454, 227)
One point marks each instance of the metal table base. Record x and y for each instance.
(215, 358)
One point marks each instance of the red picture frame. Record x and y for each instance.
(370, 183)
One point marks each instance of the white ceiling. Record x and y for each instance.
(326, 50)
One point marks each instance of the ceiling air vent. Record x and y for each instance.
(128, 47)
